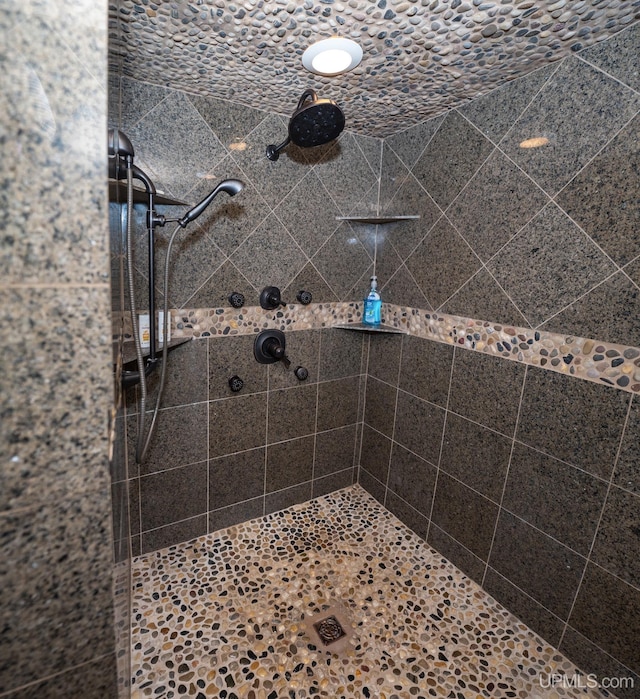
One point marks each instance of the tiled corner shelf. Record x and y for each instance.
(365, 218)
(118, 193)
(361, 327)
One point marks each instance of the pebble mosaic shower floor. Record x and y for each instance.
(231, 615)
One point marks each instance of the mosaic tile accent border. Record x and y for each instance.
(606, 363)
(225, 615)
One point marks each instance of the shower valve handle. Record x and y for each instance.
(270, 298)
(273, 347)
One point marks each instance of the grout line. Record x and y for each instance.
(315, 424)
(266, 444)
(506, 474)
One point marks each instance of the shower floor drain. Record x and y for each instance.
(330, 630)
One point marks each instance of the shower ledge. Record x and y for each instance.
(361, 327)
(368, 218)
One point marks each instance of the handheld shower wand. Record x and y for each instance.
(231, 187)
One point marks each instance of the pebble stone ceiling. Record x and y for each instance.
(421, 57)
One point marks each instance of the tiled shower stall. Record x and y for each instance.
(520, 467)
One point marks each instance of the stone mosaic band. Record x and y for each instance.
(606, 363)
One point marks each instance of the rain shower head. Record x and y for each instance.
(312, 124)
(231, 187)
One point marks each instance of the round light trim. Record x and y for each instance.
(332, 56)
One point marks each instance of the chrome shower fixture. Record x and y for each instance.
(312, 124)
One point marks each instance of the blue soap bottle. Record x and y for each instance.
(372, 305)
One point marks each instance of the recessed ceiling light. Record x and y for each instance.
(332, 56)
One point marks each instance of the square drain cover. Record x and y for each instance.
(330, 630)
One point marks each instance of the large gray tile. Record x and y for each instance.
(577, 111)
(303, 349)
(274, 180)
(410, 200)
(456, 553)
(289, 463)
(309, 214)
(534, 615)
(627, 474)
(139, 98)
(235, 514)
(173, 495)
(609, 312)
(483, 298)
(451, 158)
(372, 485)
(55, 388)
(338, 403)
(593, 660)
(342, 261)
(376, 451)
(281, 499)
(333, 482)
(476, 456)
(55, 567)
(233, 356)
(617, 545)
(335, 451)
(237, 424)
(228, 221)
(561, 500)
(341, 354)
(494, 205)
(607, 612)
(495, 113)
(180, 437)
(347, 175)
(403, 290)
(384, 357)
(417, 522)
(548, 265)
(486, 389)
(387, 259)
(215, 291)
(412, 478)
(193, 152)
(308, 279)
(576, 421)
(618, 56)
(465, 515)
(543, 568)
(292, 413)
(442, 263)
(236, 477)
(600, 197)
(174, 533)
(393, 174)
(426, 369)
(270, 256)
(419, 426)
(380, 406)
(229, 121)
(410, 143)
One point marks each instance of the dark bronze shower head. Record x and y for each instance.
(312, 124)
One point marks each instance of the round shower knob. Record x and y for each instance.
(236, 299)
(304, 297)
(301, 373)
(236, 384)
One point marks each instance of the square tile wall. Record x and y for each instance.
(220, 457)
